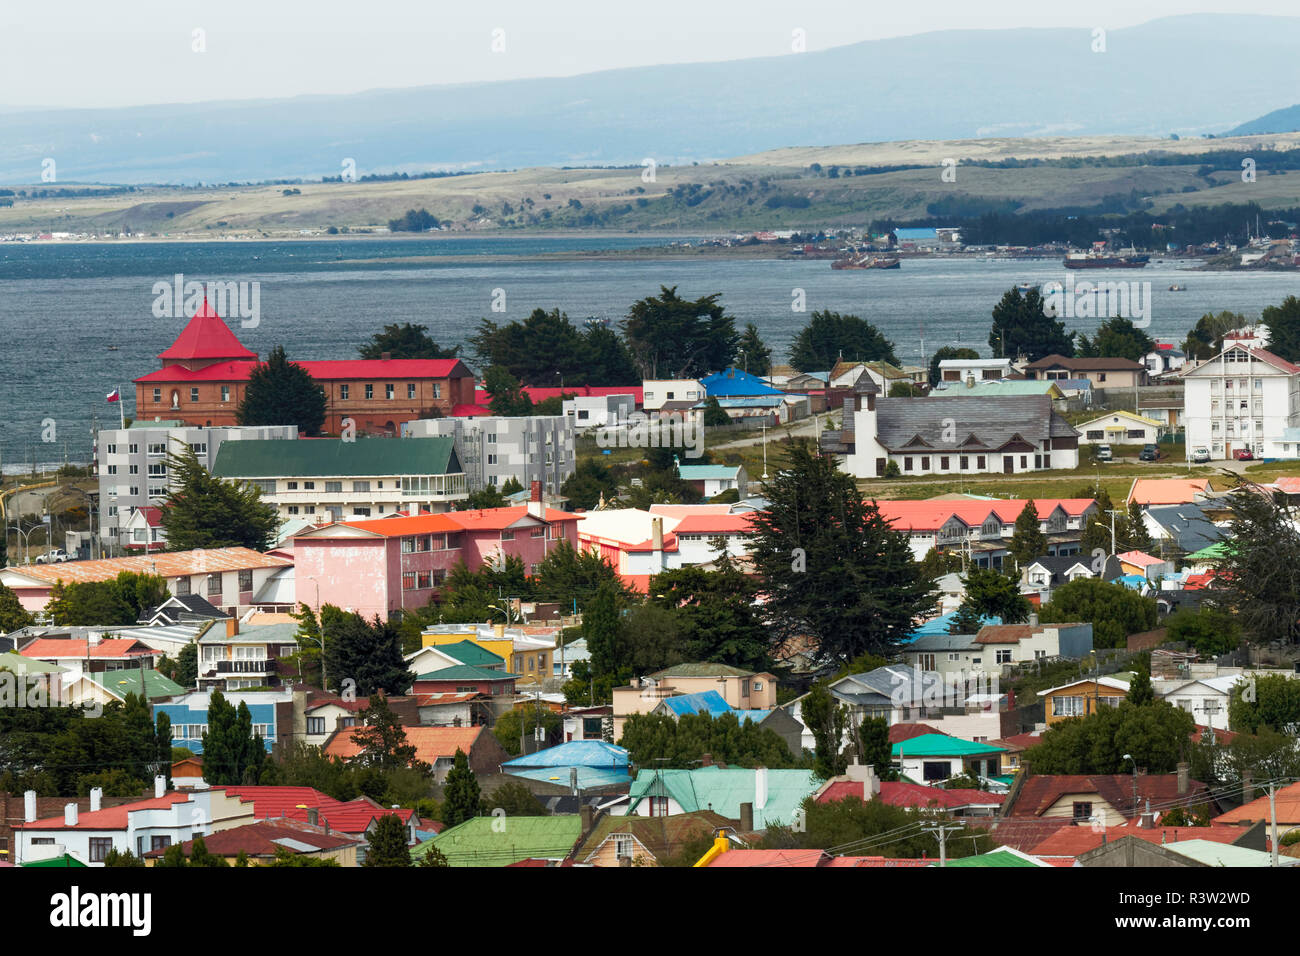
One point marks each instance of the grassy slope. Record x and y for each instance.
(734, 206)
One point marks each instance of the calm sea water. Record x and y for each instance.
(62, 306)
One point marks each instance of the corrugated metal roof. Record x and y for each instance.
(329, 457)
(575, 753)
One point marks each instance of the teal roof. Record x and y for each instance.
(1011, 387)
(574, 753)
(589, 778)
(121, 683)
(500, 841)
(467, 652)
(724, 790)
(941, 745)
(466, 672)
(701, 472)
(330, 457)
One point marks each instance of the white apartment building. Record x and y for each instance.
(493, 449)
(330, 479)
(132, 467)
(1243, 398)
(957, 371)
(655, 393)
(597, 411)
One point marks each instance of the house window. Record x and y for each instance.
(309, 486)
(99, 848)
(408, 580)
(246, 580)
(907, 464)
(182, 587)
(507, 536)
(1082, 810)
(943, 463)
(965, 462)
(979, 462)
(410, 390)
(1067, 706)
(157, 395)
(936, 770)
(623, 845)
(370, 391)
(360, 486)
(437, 390)
(925, 662)
(194, 395)
(160, 842)
(214, 584)
(343, 392)
(1004, 655)
(333, 487)
(424, 580)
(388, 390)
(316, 725)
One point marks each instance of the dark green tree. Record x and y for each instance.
(125, 858)
(568, 575)
(515, 799)
(1113, 610)
(826, 718)
(1257, 569)
(1027, 541)
(875, 750)
(990, 593)
(830, 336)
(659, 740)
(1138, 537)
(522, 722)
(405, 341)
(87, 603)
(386, 843)
(1283, 323)
(1271, 701)
(381, 737)
(755, 357)
(833, 568)
(232, 752)
(12, 614)
(671, 337)
(1139, 688)
(1209, 629)
(1022, 326)
(369, 653)
(280, 392)
(1156, 735)
(716, 620)
(1205, 340)
(460, 792)
(203, 511)
(600, 627)
(1117, 338)
(508, 396)
(715, 416)
(590, 480)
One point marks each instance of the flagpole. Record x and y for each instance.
(121, 406)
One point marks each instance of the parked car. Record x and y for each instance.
(56, 556)
(1102, 452)
(1149, 453)
(1200, 454)
(1243, 454)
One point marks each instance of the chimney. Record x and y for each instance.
(29, 806)
(746, 818)
(96, 798)
(970, 379)
(760, 787)
(706, 760)
(866, 775)
(573, 780)
(1183, 778)
(535, 506)
(587, 816)
(69, 814)
(385, 356)
(159, 786)
(313, 816)
(1033, 619)
(1247, 786)
(232, 626)
(499, 631)
(657, 537)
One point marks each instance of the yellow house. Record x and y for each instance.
(1084, 697)
(528, 652)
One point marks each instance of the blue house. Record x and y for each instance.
(734, 383)
(271, 710)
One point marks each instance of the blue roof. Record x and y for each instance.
(576, 753)
(757, 716)
(922, 233)
(588, 777)
(709, 701)
(735, 383)
(940, 626)
(1135, 581)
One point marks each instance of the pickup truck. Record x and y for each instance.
(56, 556)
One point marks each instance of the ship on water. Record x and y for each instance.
(867, 261)
(1085, 260)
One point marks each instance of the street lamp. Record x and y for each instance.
(320, 623)
(1135, 783)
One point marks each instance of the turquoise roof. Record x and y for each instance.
(940, 626)
(941, 745)
(589, 778)
(575, 753)
(702, 472)
(724, 790)
(466, 672)
(467, 652)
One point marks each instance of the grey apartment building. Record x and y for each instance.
(492, 449)
(133, 474)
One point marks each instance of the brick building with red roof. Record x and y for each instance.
(206, 369)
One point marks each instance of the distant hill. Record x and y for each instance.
(1285, 120)
(945, 85)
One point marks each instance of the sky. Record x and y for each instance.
(92, 53)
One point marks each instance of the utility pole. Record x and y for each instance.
(1113, 512)
(1272, 818)
(942, 830)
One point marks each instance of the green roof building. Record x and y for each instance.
(467, 652)
(153, 685)
(776, 795)
(500, 841)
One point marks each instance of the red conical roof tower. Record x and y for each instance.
(205, 341)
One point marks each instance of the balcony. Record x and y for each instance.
(267, 666)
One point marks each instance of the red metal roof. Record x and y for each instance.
(258, 839)
(430, 743)
(469, 411)
(1073, 840)
(715, 524)
(931, 515)
(51, 648)
(541, 394)
(206, 337)
(899, 794)
(294, 802)
(375, 370)
(110, 818)
(900, 732)
(494, 519)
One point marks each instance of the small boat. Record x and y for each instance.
(867, 262)
(1177, 288)
(1024, 286)
(112, 348)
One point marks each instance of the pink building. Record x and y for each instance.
(388, 564)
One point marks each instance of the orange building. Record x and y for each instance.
(205, 371)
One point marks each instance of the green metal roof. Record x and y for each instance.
(724, 790)
(121, 683)
(500, 841)
(702, 670)
(941, 745)
(330, 457)
(20, 665)
(466, 672)
(467, 652)
(1217, 550)
(994, 858)
(67, 860)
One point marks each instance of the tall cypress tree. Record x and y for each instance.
(460, 792)
(1027, 541)
(202, 511)
(280, 392)
(832, 567)
(386, 843)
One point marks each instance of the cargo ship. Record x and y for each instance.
(867, 262)
(1085, 261)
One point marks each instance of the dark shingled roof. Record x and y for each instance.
(963, 423)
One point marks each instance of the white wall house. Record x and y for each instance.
(950, 435)
(1243, 398)
(1205, 699)
(596, 411)
(1119, 428)
(957, 371)
(655, 393)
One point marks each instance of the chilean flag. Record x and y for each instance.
(115, 395)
